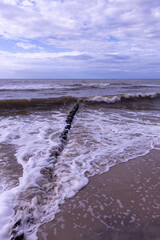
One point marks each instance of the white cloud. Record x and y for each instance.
(25, 46)
(27, 3)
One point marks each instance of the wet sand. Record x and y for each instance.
(121, 204)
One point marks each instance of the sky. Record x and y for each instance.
(79, 39)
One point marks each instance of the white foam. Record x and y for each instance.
(6, 212)
(107, 139)
(119, 203)
(118, 98)
(26, 87)
(33, 137)
(98, 140)
(96, 85)
(105, 99)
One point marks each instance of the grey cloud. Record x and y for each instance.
(10, 12)
(80, 57)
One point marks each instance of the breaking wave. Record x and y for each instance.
(47, 103)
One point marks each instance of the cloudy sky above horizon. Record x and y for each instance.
(79, 39)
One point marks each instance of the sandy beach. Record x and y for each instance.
(123, 203)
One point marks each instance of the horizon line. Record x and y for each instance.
(79, 78)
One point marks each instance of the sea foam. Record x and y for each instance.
(99, 139)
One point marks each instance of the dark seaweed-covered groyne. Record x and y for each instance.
(64, 135)
(17, 229)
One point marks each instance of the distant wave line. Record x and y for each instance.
(41, 88)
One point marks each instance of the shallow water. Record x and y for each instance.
(122, 203)
(117, 120)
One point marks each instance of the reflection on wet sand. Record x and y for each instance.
(120, 204)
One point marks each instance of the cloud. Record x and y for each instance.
(104, 33)
(39, 61)
(73, 19)
(25, 46)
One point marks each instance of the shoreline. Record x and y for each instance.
(121, 204)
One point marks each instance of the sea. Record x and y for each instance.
(56, 134)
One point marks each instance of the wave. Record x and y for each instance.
(36, 88)
(123, 97)
(140, 86)
(25, 88)
(48, 103)
(96, 85)
(53, 87)
(39, 103)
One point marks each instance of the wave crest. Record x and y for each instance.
(125, 97)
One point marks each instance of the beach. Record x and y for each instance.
(122, 203)
(79, 159)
